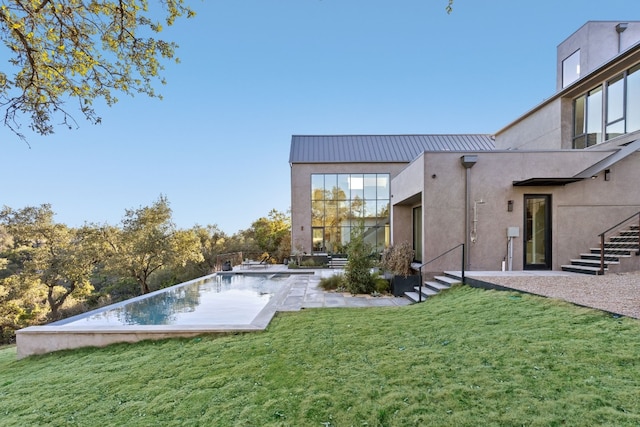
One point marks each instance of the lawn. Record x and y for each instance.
(468, 357)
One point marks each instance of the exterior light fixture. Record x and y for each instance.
(607, 173)
(509, 205)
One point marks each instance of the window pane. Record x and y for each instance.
(317, 187)
(383, 209)
(578, 116)
(594, 117)
(633, 99)
(571, 69)
(615, 129)
(383, 186)
(343, 213)
(343, 187)
(317, 213)
(615, 100)
(356, 185)
(370, 208)
(370, 186)
(357, 208)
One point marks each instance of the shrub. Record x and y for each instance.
(332, 283)
(398, 258)
(359, 263)
(381, 285)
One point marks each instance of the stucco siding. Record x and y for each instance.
(541, 131)
(579, 211)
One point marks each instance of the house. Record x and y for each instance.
(539, 194)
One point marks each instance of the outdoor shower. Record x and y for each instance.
(474, 229)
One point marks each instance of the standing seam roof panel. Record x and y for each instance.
(379, 148)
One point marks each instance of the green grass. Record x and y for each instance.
(468, 357)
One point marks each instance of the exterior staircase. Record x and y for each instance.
(337, 262)
(616, 249)
(432, 287)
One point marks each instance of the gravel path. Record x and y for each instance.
(615, 293)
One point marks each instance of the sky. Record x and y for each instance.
(255, 72)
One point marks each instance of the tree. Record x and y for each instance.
(273, 233)
(149, 242)
(212, 243)
(52, 255)
(72, 50)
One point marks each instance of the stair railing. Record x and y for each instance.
(601, 235)
(419, 268)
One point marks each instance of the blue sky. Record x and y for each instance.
(255, 72)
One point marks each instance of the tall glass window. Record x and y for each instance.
(633, 99)
(615, 107)
(614, 104)
(587, 119)
(594, 117)
(340, 202)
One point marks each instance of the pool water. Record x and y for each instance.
(221, 299)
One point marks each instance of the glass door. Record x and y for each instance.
(317, 235)
(537, 232)
(417, 233)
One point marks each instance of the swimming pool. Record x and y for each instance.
(219, 303)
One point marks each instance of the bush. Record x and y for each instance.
(359, 263)
(381, 285)
(332, 283)
(398, 258)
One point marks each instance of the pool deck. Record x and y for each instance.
(305, 292)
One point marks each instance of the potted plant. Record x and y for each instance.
(397, 259)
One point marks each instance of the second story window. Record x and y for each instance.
(613, 107)
(571, 68)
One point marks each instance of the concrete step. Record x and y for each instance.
(415, 296)
(613, 251)
(582, 269)
(592, 262)
(447, 280)
(607, 257)
(436, 286)
(337, 262)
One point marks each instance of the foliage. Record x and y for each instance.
(22, 304)
(518, 360)
(81, 51)
(359, 263)
(332, 283)
(52, 255)
(149, 242)
(272, 234)
(213, 242)
(398, 258)
(381, 285)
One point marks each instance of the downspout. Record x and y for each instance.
(620, 29)
(467, 161)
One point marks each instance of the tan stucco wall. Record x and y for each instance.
(541, 129)
(301, 239)
(579, 211)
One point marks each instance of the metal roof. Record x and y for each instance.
(379, 148)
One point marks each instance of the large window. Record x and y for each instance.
(613, 106)
(340, 202)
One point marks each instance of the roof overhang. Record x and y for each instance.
(545, 182)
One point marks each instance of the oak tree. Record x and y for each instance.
(75, 50)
